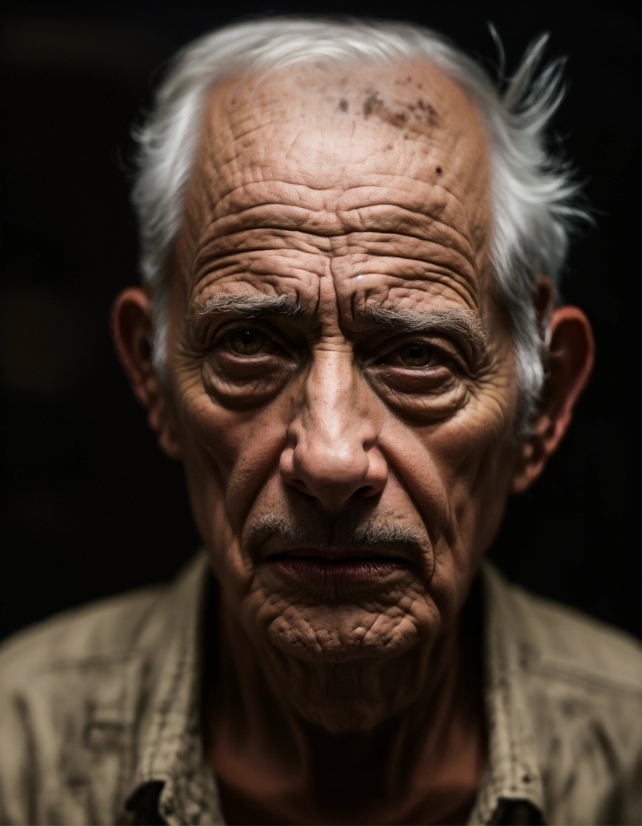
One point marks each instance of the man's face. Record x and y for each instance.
(342, 380)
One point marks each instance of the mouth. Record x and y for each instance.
(320, 569)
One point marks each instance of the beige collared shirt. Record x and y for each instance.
(99, 714)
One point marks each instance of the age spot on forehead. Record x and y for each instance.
(419, 116)
(371, 103)
(408, 79)
(429, 111)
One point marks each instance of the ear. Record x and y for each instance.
(132, 328)
(568, 366)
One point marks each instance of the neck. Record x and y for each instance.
(422, 764)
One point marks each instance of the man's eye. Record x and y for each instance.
(248, 342)
(416, 354)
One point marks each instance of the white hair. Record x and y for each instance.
(532, 194)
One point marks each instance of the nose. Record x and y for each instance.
(332, 453)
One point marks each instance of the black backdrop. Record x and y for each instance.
(90, 506)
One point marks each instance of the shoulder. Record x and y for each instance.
(565, 644)
(109, 628)
(73, 695)
(580, 688)
(54, 677)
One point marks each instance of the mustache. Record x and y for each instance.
(342, 531)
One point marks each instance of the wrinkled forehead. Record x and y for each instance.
(319, 158)
(332, 135)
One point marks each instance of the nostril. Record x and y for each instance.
(300, 485)
(367, 491)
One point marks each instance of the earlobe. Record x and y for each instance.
(132, 329)
(568, 363)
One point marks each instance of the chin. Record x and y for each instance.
(347, 667)
(328, 636)
(345, 686)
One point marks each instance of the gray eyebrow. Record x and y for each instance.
(453, 320)
(249, 306)
(462, 322)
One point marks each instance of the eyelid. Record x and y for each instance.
(230, 326)
(276, 342)
(394, 345)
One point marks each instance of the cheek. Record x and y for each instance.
(475, 454)
(457, 474)
(228, 457)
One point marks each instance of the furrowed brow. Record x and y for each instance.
(250, 306)
(453, 320)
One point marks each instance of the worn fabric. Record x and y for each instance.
(100, 708)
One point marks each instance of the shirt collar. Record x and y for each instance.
(513, 772)
(170, 739)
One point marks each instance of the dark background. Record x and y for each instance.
(90, 505)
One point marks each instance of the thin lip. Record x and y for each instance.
(380, 553)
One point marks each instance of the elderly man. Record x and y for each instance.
(348, 334)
